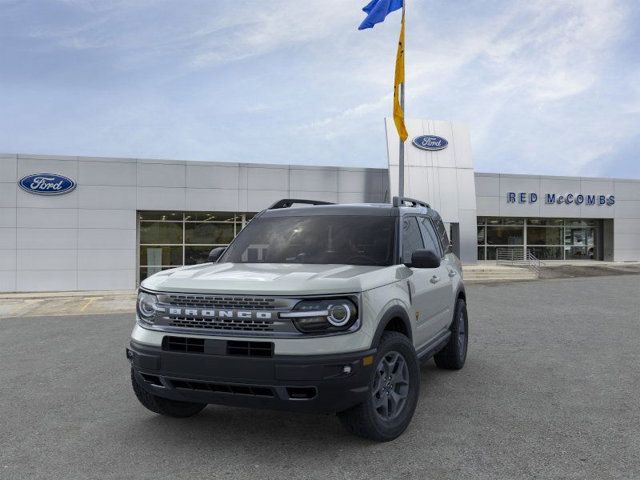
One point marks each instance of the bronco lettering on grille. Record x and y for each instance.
(212, 313)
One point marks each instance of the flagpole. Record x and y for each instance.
(401, 153)
(377, 11)
(401, 167)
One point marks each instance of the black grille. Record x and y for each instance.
(233, 315)
(250, 349)
(251, 390)
(183, 344)
(222, 324)
(221, 301)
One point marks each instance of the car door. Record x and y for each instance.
(425, 292)
(441, 278)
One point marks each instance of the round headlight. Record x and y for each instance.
(328, 315)
(339, 315)
(146, 305)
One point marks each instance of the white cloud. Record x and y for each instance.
(283, 24)
(533, 74)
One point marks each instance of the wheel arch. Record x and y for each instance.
(395, 319)
(461, 294)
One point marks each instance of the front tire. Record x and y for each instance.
(454, 354)
(394, 390)
(164, 406)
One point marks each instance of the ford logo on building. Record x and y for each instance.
(46, 184)
(430, 142)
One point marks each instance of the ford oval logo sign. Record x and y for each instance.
(46, 184)
(430, 142)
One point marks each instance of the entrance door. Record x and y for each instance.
(580, 243)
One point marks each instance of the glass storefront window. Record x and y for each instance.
(172, 239)
(513, 221)
(547, 253)
(212, 217)
(544, 236)
(492, 252)
(160, 232)
(505, 235)
(481, 235)
(579, 236)
(158, 255)
(545, 221)
(577, 253)
(209, 233)
(197, 254)
(580, 243)
(580, 222)
(161, 216)
(505, 221)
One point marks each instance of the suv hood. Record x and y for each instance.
(271, 278)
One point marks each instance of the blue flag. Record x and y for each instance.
(377, 11)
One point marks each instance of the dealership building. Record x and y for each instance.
(87, 223)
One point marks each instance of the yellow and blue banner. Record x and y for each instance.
(377, 11)
(398, 80)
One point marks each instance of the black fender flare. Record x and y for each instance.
(395, 311)
(460, 294)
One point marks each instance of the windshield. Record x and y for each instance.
(339, 239)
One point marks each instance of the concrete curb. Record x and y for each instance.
(87, 294)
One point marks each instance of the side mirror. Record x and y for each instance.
(215, 254)
(424, 259)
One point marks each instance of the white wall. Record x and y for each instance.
(443, 178)
(86, 239)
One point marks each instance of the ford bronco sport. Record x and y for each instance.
(320, 308)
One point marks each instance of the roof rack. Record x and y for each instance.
(289, 202)
(401, 201)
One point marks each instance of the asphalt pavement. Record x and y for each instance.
(550, 390)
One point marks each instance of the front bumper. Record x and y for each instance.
(311, 384)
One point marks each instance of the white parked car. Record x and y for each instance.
(321, 308)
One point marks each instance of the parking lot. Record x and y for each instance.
(550, 390)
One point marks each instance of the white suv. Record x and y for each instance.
(321, 308)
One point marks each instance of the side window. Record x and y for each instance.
(431, 241)
(444, 238)
(441, 231)
(411, 238)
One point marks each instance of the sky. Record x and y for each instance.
(546, 87)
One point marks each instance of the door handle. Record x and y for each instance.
(434, 279)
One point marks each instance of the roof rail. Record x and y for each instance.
(400, 201)
(289, 202)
